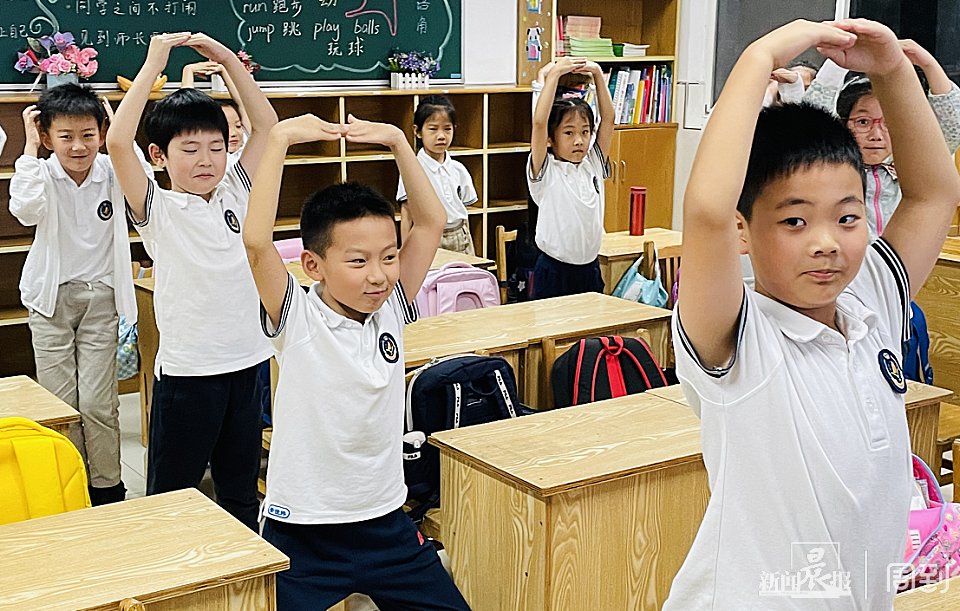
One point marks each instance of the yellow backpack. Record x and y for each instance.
(41, 472)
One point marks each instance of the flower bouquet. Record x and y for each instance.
(58, 57)
(411, 70)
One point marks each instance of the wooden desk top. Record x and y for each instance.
(622, 244)
(151, 548)
(945, 597)
(519, 324)
(917, 395)
(951, 250)
(21, 396)
(439, 260)
(555, 451)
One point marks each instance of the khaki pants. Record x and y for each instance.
(76, 355)
(458, 239)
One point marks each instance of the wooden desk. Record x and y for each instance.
(175, 551)
(923, 415)
(21, 396)
(618, 251)
(944, 597)
(589, 507)
(518, 331)
(940, 300)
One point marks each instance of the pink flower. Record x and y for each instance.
(66, 65)
(49, 66)
(87, 54)
(73, 54)
(88, 69)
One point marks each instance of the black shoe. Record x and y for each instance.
(103, 496)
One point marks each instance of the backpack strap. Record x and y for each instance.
(34, 456)
(457, 403)
(576, 376)
(507, 402)
(611, 356)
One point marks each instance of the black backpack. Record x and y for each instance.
(603, 368)
(445, 394)
(522, 256)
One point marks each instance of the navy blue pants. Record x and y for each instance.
(215, 420)
(385, 558)
(552, 278)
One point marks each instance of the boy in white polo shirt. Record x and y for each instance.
(207, 399)
(335, 479)
(76, 279)
(796, 377)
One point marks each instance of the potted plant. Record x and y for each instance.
(57, 57)
(411, 70)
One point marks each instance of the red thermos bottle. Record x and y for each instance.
(638, 202)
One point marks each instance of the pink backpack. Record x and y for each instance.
(933, 536)
(456, 287)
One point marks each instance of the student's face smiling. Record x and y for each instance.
(236, 128)
(75, 141)
(875, 142)
(195, 162)
(807, 238)
(360, 267)
(437, 135)
(571, 140)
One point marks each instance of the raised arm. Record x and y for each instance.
(261, 113)
(711, 293)
(605, 106)
(427, 216)
(268, 269)
(123, 130)
(235, 96)
(539, 138)
(944, 95)
(28, 201)
(929, 184)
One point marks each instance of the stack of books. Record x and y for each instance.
(589, 47)
(576, 26)
(630, 50)
(641, 95)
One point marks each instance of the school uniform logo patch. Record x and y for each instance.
(278, 511)
(388, 348)
(891, 370)
(232, 221)
(596, 184)
(105, 210)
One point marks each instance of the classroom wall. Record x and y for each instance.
(489, 42)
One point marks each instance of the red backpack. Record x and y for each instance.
(603, 368)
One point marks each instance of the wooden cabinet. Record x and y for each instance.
(641, 157)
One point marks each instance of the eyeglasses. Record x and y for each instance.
(864, 125)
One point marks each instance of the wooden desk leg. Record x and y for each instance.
(605, 275)
(148, 342)
(923, 423)
(532, 376)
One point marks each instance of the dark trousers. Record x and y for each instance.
(215, 420)
(552, 278)
(385, 558)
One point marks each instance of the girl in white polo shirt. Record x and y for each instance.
(565, 177)
(435, 123)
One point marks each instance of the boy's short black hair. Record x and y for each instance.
(71, 101)
(793, 137)
(184, 111)
(802, 63)
(564, 106)
(339, 203)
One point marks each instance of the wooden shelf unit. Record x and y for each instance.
(492, 141)
(641, 155)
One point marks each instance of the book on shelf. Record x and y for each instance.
(641, 95)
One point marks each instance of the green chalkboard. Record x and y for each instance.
(293, 40)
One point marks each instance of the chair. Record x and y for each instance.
(503, 236)
(41, 472)
(947, 432)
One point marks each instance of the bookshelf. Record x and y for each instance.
(492, 141)
(641, 155)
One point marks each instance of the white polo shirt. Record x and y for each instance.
(451, 181)
(206, 302)
(804, 441)
(336, 455)
(570, 197)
